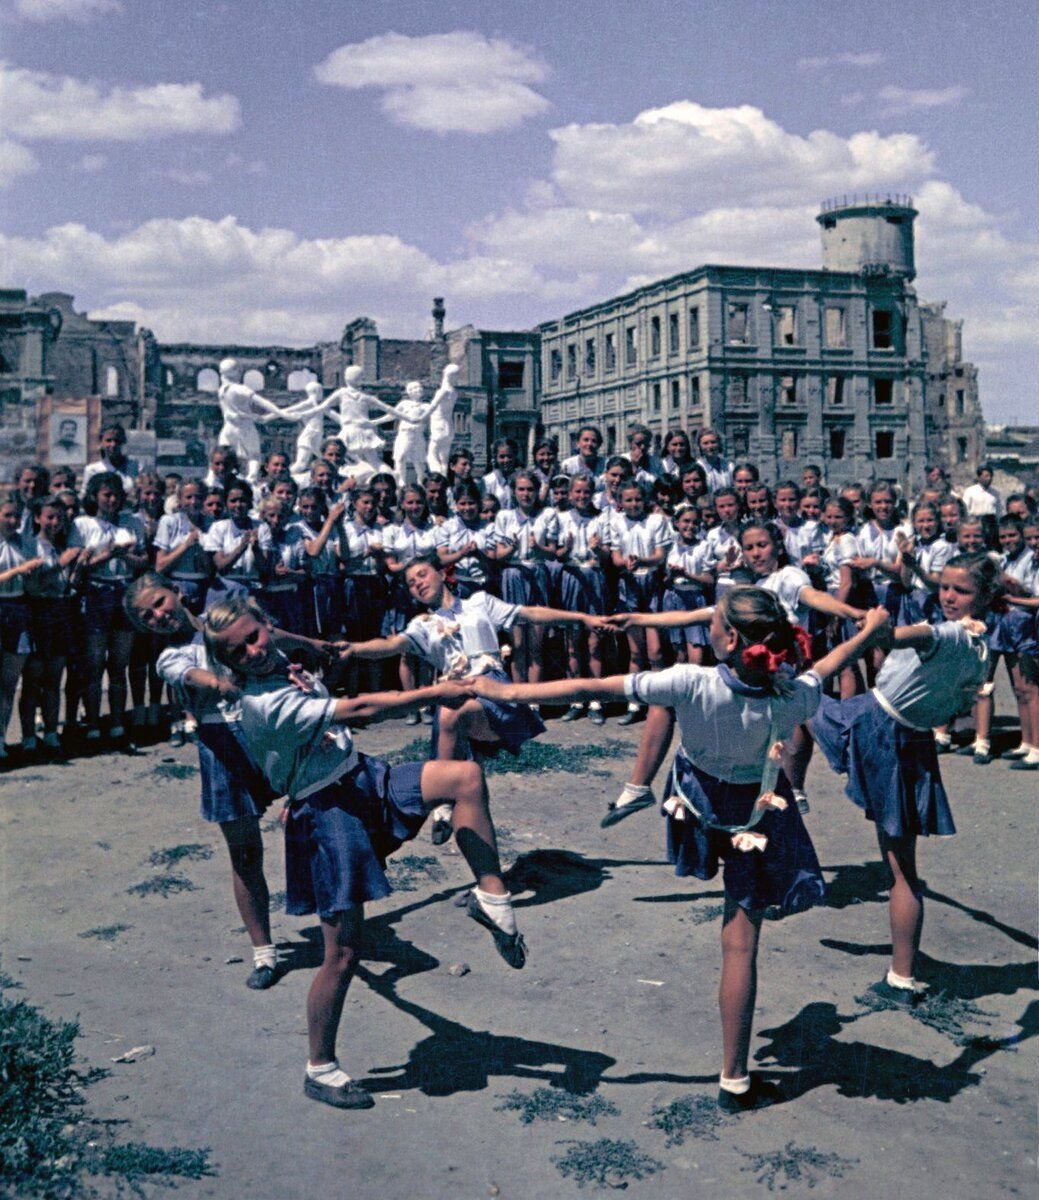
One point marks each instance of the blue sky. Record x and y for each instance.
(266, 171)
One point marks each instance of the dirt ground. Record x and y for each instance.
(617, 1001)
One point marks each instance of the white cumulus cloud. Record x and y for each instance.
(15, 160)
(43, 107)
(686, 156)
(459, 82)
(849, 58)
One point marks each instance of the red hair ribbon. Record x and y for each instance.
(760, 658)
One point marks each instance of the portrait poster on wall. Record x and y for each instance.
(68, 430)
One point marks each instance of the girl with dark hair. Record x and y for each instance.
(17, 562)
(921, 559)
(465, 544)
(233, 542)
(411, 537)
(727, 802)
(678, 453)
(321, 529)
(115, 551)
(497, 481)
(437, 492)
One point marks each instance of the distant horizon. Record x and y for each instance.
(269, 171)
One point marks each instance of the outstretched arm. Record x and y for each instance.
(538, 614)
(877, 620)
(383, 705)
(668, 620)
(558, 691)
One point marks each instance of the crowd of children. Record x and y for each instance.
(713, 591)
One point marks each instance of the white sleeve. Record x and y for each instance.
(500, 614)
(672, 686)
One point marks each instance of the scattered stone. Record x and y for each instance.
(456, 969)
(235, 958)
(135, 1055)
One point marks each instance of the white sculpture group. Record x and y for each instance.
(244, 408)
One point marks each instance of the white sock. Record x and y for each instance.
(907, 984)
(633, 707)
(630, 793)
(577, 705)
(265, 956)
(498, 908)
(442, 812)
(738, 1087)
(594, 706)
(328, 1073)
(982, 745)
(943, 739)
(1032, 756)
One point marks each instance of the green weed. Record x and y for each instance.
(404, 873)
(606, 1163)
(944, 1013)
(553, 1104)
(796, 1164)
(105, 933)
(49, 1147)
(704, 914)
(278, 900)
(162, 885)
(188, 852)
(534, 757)
(174, 770)
(693, 1116)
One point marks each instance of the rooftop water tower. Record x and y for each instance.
(869, 235)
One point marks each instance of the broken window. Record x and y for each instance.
(788, 444)
(610, 353)
(786, 325)
(571, 360)
(787, 389)
(510, 373)
(555, 364)
(676, 394)
(837, 443)
(737, 393)
(298, 380)
(694, 391)
(589, 356)
(740, 443)
(208, 380)
(738, 324)
(835, 390)
(694, 327)
(254, 379)
(884, 444)
(611, 439)
(961, 449)
(959, 402)
(630, 346)
(836, 334)
(672, 333)
(656, 397)
(883, 391)
(654, 337)
(883, 329)
(111, 381)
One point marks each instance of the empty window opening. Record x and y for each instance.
(571, 360)
(959, 402)
(836, 333)
(884, 444)
(610, 352)
(835, 390)
(740, 442)
(589, 356)
(510, 373)
(254, 379)
(786, 325)
(837, 443)
(208, 380)
(883, 329)
(654, 337)
(298, 380)
(676, 394)
(737, 394)
(737, 324)
(694, 391)
(787, 389)
(961, 449)
(111, 381)
(788, 444)
(630, 346)
(694, 327)
(883, 391)
(656, 397)
(672, 333)
(555, 365)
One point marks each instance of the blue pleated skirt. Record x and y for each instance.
(892, 771)
(1015, 632)
(582, 589)
(337, 840)
(232, 786)
(513, 724)
(685, 599)
(785, 875)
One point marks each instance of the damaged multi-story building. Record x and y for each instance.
(841, 365)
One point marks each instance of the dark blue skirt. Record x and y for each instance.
(513, 724)
(553, 575)
(402, 608)
(582, 589)
(329, 605)
(194, 593)
(685, 599)
(55, 625)
(103, 610)
(892, 771)
(232, 786)
(364, 601)
(1015, 632)
(919, 607)
(14, 625)
(337, 841)
(524, 584)
(785, 875)
(639, 593)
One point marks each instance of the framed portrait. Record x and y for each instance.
(67, 430)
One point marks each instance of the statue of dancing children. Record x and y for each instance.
(242, 407)
(409, 446)
(441, 425)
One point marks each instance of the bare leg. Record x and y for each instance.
(463, 782)
(458, 725)
(248, 882)
(535, 640)
(797, 754)
(739, 985)
(97, 651)
(342, 935)
(906, 906)
(10, 672)
(118, 660)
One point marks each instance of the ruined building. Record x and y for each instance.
(842, 366)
